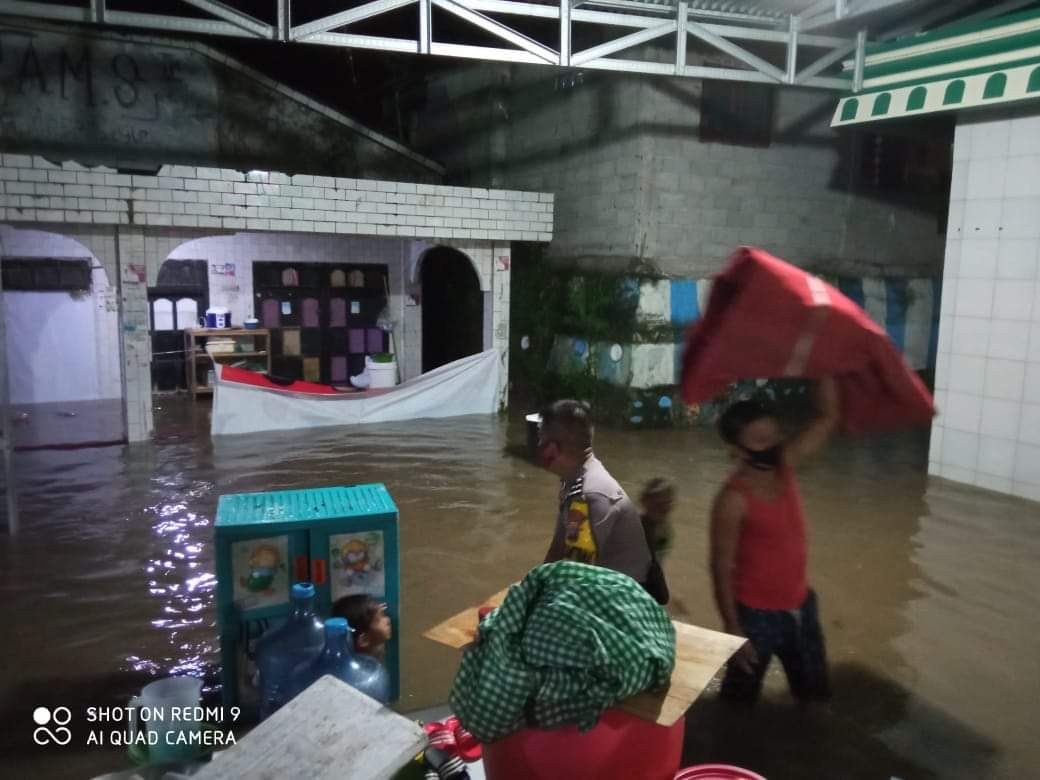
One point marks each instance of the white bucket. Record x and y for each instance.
(167, 718)
(382, 374)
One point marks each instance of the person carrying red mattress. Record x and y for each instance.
(758, 550)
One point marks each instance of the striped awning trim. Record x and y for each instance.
(948, 70)
(951, 94)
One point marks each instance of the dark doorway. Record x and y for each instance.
(179, 298)
(452, 308)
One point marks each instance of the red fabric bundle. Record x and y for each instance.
(768, 319)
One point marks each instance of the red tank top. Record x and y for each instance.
(771, 553)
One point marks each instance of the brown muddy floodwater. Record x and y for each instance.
(928, 591)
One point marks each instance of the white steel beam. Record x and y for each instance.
(499, 30)
(375, 42)
(284, 20)
(425, 26)
(861, 56)
(625, 42)
(646, 21)
(64, 13)
(773, 36)
(233, 16)
(565, 33)
(484, 53)
(735, 51)
(824, 62)
(343, 18)
(792, 51)
(682, 18)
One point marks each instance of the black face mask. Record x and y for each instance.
(765, 460)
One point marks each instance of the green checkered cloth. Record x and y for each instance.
(568, 642)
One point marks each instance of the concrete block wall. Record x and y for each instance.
(633, 182)
(988, 369)
(703, 199)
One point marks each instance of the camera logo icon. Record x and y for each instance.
(44, 717)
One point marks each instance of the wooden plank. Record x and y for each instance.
(699, 654)
(328, 732)
(461, 629)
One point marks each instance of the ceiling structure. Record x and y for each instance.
(787, 42)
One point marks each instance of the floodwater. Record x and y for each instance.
(928, 591)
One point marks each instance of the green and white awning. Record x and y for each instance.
(952, 69)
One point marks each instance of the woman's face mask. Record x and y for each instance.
(764, 460)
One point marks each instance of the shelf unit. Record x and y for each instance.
(194, 351)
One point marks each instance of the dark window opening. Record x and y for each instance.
(736, 113)
(46, 274)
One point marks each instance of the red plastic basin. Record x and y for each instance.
(620, 747)
(716, 772)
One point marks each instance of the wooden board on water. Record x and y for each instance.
(329, 731)
(699, 654)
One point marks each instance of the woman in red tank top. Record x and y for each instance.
(758, 550)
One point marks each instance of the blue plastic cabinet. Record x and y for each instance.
(343, 539)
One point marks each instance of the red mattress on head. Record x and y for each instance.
(768, 319)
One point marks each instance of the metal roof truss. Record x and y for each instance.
(645, 21)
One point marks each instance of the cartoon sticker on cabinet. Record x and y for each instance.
(357, 564)
(260, 574)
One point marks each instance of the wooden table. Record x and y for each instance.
(328, 732)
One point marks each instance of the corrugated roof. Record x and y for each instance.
(779, 9)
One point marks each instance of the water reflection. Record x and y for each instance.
(928, 592)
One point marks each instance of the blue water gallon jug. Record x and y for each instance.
(298, 640)
(338, 659)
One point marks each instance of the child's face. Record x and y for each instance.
(380, 630)
(658, 506)
(761, 434)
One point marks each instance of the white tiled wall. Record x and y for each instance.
(37, 243)
(988, 366)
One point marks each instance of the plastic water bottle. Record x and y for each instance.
(337, 658)
(298, 640)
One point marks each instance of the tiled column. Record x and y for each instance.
(502, 271)
(988, 366)
(137, 348)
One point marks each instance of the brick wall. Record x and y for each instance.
(35, 190)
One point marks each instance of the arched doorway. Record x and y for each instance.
(180, 296)
(61, 332)
(452, 308)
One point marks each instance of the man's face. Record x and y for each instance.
(551, 453)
